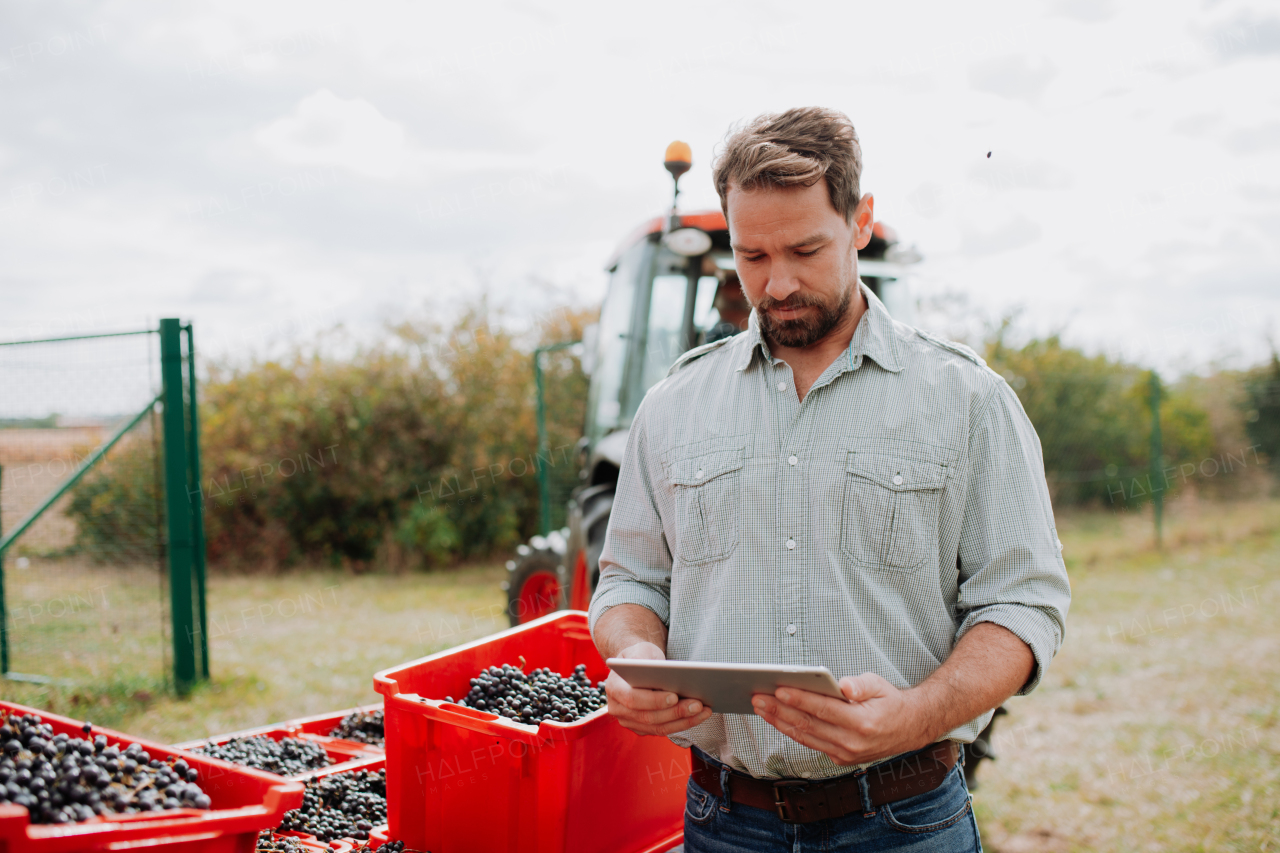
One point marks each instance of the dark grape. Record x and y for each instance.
(539, 696)
(66, 779)
(269, 843)
(361, 727)
(285, 757)
(344, 805)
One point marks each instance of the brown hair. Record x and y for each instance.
(796, 148)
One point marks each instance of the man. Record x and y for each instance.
(732, 306)
(831, 488)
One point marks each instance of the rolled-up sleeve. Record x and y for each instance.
(1011, 568)
(635, 565)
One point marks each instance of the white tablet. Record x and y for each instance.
(726, 687)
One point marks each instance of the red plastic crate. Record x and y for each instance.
(460, 780)
(318, 725)
(343, 753)
(244, 802)
(321, 724)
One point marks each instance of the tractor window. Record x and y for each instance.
(704, 312)
(896, 297)
(604, 408)
(665, 338)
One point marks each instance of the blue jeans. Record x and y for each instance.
(940, 821)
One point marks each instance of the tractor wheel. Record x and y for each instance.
(534, 588)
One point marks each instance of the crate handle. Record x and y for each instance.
(413, 700)
(468, 718)
(462, 710)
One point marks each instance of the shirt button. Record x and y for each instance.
(782, 386)
(897, 479)
(699, 474)
(791, 629)
(792, 460)
(791, 544)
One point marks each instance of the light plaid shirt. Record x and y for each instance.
(865, 529)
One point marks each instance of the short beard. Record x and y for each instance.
(802, 331)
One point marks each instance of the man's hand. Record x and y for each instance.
(650, 712)
(984, 669)
(878, 720)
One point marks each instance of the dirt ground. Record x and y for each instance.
(1157, 727)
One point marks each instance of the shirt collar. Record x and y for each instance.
(874, 338)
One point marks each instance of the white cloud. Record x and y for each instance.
(1016, 77)
(1089, 11)
(325, 129)
(1011, 172)
(1258, 138)
(353, 134)
(1015, 233)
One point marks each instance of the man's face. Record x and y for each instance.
(797, 258)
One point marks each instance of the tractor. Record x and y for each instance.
(672, 286)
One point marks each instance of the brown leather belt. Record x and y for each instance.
(805, 801)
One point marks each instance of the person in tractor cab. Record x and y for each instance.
(732, 306)
(829, 488)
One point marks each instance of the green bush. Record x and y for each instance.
(400, 453)
(430, 532)
(1093, 416)
(422, 450)
(1261, 407)
(116, 506)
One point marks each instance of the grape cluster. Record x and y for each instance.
(269, 842)
(285, 757)
(64, 779)
(540, 696)
(389, 847)
(361, 727)
(344, 805)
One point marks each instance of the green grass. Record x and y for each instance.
(1156, 728)
(85, 622)
(290, 645)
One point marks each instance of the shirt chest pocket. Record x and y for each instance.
(889, 516)
(708, 491)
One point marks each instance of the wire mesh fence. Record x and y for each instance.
(1120, 438)
(83, 538)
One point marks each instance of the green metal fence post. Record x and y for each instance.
(177, 508)
(544, 450)
(544, 446)
(196, 493)
(1157, 461)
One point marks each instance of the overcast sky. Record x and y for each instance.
(269, 168)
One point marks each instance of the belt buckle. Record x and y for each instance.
(779, 798)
